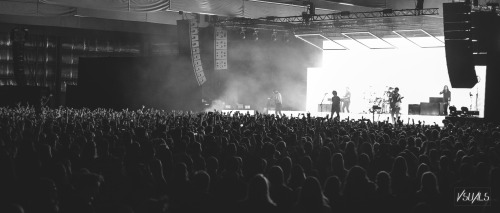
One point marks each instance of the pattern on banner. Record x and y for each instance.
(220, 48)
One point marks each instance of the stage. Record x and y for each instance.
(369, 76)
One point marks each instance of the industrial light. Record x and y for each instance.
(256, 34)
(242, 33)
(274, 36)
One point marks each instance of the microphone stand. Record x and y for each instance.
(477, 92)
(321, 104)
(470, 95)
(477, 96)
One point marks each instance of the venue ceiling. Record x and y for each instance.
(74, 13)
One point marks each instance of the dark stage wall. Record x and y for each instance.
(492, 102)
(12, 95)
(161, 82)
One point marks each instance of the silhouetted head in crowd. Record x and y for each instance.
(297, 177)
(201, 181)
(399, 168)
(357, 183)
(306, 163)
(332, 187)
(311, 196)
(364, 161)
(444, 163)
(276, 176)
(258, 190)
(429, 184)
(180, 172)
(212, 165)
(232, 165)
(12, 208)
(422, 168)
(286, 165)
(383, 181)
(46, 198)
(367, 149)
(338, 162)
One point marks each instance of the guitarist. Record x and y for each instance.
(395, 104)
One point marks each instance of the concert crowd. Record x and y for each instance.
(149, 160)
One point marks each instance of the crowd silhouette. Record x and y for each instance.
(149, 160)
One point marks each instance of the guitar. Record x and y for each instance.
(393, 101)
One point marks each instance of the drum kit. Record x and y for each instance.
(380, 102)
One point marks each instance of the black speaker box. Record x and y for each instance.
(460, 63)
(429, 108)
(324, 108)
(413, 109)
(435, 99)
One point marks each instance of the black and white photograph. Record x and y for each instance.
(251, 106)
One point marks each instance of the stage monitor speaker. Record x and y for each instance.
(459, 60)
(324, 107)
(436, 99)
(413, 109)
(429, 108)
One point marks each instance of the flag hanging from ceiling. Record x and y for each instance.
(220, 48)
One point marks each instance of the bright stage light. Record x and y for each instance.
(420, 73)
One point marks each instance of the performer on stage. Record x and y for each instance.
(39, 106)
(278, 101)
(446, 98)
(395, 104)
(335, 105)
(346, 100)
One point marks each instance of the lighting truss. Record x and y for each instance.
(308, 19)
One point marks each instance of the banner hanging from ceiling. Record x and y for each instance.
(115, 5)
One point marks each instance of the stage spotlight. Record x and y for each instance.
(274, 36)
(465, 110)
(387, 11)
(242, 33)
(256, 34)
(453, 110)
(286, 37)
(345, 13)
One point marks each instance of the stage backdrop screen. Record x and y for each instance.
(419, 73)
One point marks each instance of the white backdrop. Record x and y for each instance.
(419, 73)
